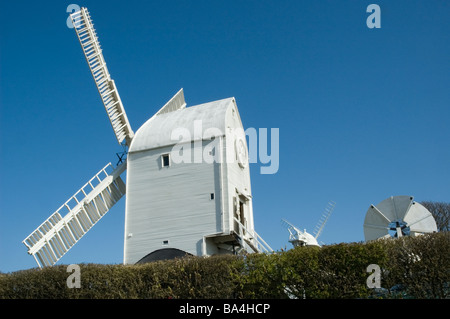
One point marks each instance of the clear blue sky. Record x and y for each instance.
(363, 113)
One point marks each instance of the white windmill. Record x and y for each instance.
(298, 237)
(397, 216)
(303, 238)
(174, 205)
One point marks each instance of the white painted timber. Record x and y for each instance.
(170, 204)
(323, 219)
(160, 130)
(197, 205)
(106, 87)
(177, 102)
(55, 236)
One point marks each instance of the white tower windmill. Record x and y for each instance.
(303, 238)
(174, 205)
(397, 216)
(298, 237)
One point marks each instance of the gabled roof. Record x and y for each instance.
(158, 130)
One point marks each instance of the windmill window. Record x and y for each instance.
(212, 196)
(165, 242)
(165, 160)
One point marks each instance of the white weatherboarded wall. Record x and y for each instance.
(187, 205)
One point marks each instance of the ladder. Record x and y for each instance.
(57, 234)
(106, 87)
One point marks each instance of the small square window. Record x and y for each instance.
(165, 242)
(212, 196)
(165, 160)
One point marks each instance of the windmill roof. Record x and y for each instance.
(161, 129)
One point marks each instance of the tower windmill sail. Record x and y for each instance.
(323, 219)
(106, 87)
(397, 216)
(303, 238)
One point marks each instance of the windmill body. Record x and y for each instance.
(185, 188)
(188, 181)
(303, 238)
(298, 237)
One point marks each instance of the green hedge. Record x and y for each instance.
(411, 267)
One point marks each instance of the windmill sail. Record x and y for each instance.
(397, 216)
(177, 102)
(56, 235)
(106, 87)
(323, 219)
